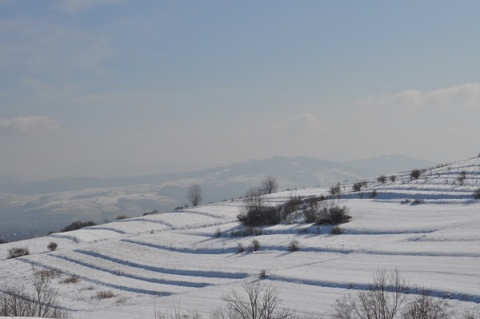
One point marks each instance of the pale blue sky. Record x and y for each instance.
(116, 87)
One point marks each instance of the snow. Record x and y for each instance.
(187, 260)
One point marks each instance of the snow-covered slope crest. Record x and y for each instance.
(427, 227)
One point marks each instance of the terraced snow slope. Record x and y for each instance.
(428, 228)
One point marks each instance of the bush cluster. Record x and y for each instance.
(261, 216)
(256, 213)
(336, 230)
(291, 206)
(356, 187)
(328, 213)
(105, 294)
(77, 225)
(17, 252)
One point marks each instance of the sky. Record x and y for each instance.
(105, 88)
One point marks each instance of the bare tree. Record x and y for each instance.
(471, 313)
(253, 200)
(194, 195)
(382, 300)
(257, 301)
(426, 307)
(42, 302)
(269, 185)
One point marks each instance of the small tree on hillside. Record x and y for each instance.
(461, 177)
(194, 195)
(258, 301)
(476, 193)
(382, 300)
(335, 190)
(269, 185)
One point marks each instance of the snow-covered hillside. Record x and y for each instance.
(428, 228)
(25, 207)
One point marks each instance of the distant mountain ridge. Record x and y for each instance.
(295, 171)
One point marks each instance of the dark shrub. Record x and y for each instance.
(415, 174)
(310, 215)
(120, 217)
(256, 213)
(338, 215)
(52, 246)
(2, 241)
(382, 179)
(337, 230)
(461, 177)
(156, 212)
(291, 206)
(373, 194)
(17, 252)
(255, 245)
(417, 202)
(77, 225)
(261, 216)
(393, 178)
(476, 193)
(357, 186)
(240, 248)
(104, 294)
(262, 274)
(332, 215)
(310, 211)
(293, 246)
(70, 280)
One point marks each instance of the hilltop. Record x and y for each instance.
(425, 223)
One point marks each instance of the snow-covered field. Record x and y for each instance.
(428, 228)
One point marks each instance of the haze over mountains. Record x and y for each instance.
(29, 209)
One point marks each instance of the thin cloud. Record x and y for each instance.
(299, 124)
(464, 95)
(36, 44)
(26, 124)
(75, 6)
